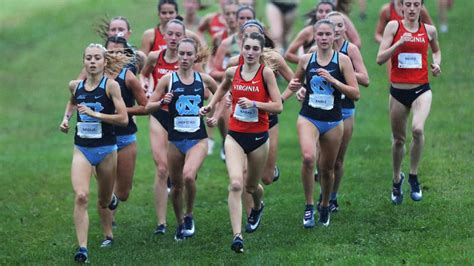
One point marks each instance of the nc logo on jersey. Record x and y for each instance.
(188, 104)
(96, 107)
(320, 86)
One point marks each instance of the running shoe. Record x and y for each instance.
(333, 206)
(81, 255)
(160, 229)
(179, 236)
(324, 216)
(107, 242)
(168, 184)
(397, 192)
(114, 202)
(308, 218)
(222, 153)
(415, 188)
(253, 221)
(188, 226)
(276, 173)
(237, 244)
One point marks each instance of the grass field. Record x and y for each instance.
(41, 48)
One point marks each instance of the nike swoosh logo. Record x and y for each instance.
(258, 138)
(97, 97)
(196, 90)
(255, 81)
(418, 91)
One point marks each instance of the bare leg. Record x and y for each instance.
(268, 172)
(339, 167)
(106, 175)
(308, 135)
(421, 109)
(398, 120)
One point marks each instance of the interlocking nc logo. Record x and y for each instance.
(96, 107)
(321, 86)
(188, 104)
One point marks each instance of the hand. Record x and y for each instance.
(211, 121)
(325, 74)
(85, 110)
(168, 97)
(64, 127)
(405, 38)
(205, 110)
(245, 103)
(228, 100)
(294, 85)
(435, 69)
(300, 94)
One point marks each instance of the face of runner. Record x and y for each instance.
(119, 27)
(251, 50)
(186, 55)
(173, 34)
(244, 16)
(230, 12)
(94, 59)
(324, 36)
(323, 10)
(340, 28)
(167, 13)
(411, 9)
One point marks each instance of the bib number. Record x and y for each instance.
(187, 123)
(89, 130)
(321, 101)
(246, 115)
(409, 60)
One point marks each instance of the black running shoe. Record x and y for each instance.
(333, 206)
(160, 229)
(179, 236)
(81, 255)
(107, 242)
(253, 221)
(237, 244)
(276, 173)
(324, 216)
(397, 192)
(169, 184)
(188, 226)
(114, 202)
(415, 188)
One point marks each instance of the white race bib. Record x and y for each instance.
(246, 115)
(321, 101)
(409, 60)
(89, 130)
(187, 123)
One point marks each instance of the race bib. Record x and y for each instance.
(409, 60)
(89, 130)
(321, 101)
(246, 115)
(187, 123)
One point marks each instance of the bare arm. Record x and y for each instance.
(351, 32)
(436, 51)
(154, 103)
(292, 53)
(359, 67)
(70, 107)
(222, 51)
(138, 93)
(382, 22)
(220, 92)
(351, 89)
(147, 41)
(296, 83)
(145, 79)
(275, 106)
(386, 49)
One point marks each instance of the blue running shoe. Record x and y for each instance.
(107, 242)
(114, 202)
(160, 229)
(188, 226)
(179, 236)
(397, 192)
(324, 216)
(81, 255)
(253, 221)
(237, 244)
(415, 188)
(333, 206)
(276, 173)
(308, 219)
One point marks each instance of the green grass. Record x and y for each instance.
(41, 51)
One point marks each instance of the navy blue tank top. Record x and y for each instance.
(346, 102)
(185, 121)
(129, 100)
(322, 101)
(90, 131)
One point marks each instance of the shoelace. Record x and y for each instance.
(308, 214)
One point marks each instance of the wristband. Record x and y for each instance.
(254, 104)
